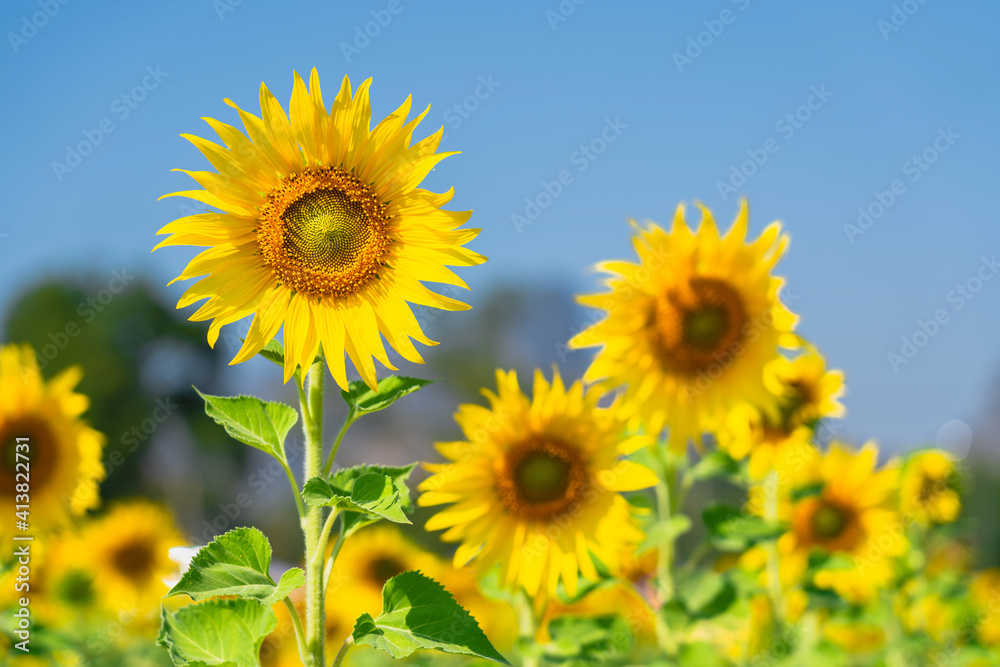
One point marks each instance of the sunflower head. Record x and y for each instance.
(321, 228)
(928, 490)
(691, 326)
(841, 505)
(126, 552)
(41, 432)
(535, 487)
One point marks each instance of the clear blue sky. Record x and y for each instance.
(682, 126)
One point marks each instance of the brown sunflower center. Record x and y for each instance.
(831, 524)
(828, 522)
(541, 478)
(697, 324)
(41, 453)
(384, 568)
(134, 560)
(930, 488)
(323, 232)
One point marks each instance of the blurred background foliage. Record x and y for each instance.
(142, 360)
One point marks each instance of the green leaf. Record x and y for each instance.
(716, 464)
(707, 594)
(733, 530)
(252, 421)
(580, 639)
(342, 482)
(418, 613)
(228, 633)
(237, 563)
(371, 494)
(700, 654)
(275, 351)
(362, 400)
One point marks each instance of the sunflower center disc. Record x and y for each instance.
(697, 323)
(384, 568)
(929, 488)
(829, 522)
(542, 478)
(324, 232)
(134, 560)
(40, 452)
(326, 229)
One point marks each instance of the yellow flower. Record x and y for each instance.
(536, 486)
(846, 512)
(854, 637)
(927, 490)
(805, 392)
(57, 469)
(690, 328)
(126, 551)
(323, 229)
(985, 594)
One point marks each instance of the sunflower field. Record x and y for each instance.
(270, 477)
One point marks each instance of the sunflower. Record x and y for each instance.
(690, 328)
(984, 592)
(927, 490)
(321, 227)
(844, 510)
(127, 552)
(805, 392)
(63, 466)
(536, 486)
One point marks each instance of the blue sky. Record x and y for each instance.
(834, 100)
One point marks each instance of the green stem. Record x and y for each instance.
(295, 491)
(312, 421)
(348, 643)
(771, 500)
(665, 553)
(333, 557)
(527, 627)
(328, 465)
(300, 637)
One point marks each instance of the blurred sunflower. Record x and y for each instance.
(690, 328)
(126, 551)
(323, 229)
(844, 509)
(985, 594)
(369, 559)
(536, 486)
(64, 453)
(805, 392)
(927, 490)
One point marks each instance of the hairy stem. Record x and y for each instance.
(312, 419)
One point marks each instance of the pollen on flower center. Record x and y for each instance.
(540, 478)
(323, 232)
(696, 322)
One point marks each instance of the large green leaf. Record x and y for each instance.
(585, 640)
(733, 530)
(252, 421)
(715, 464)
(372, 494)
(227, 633)
(237, 563)
(418, 613)
(362, 400)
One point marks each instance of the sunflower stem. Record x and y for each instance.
(527, 628)
(328, 465)
(312, 421)
(348, 643)
(300, 637)
(665, 554)
(771, 499)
